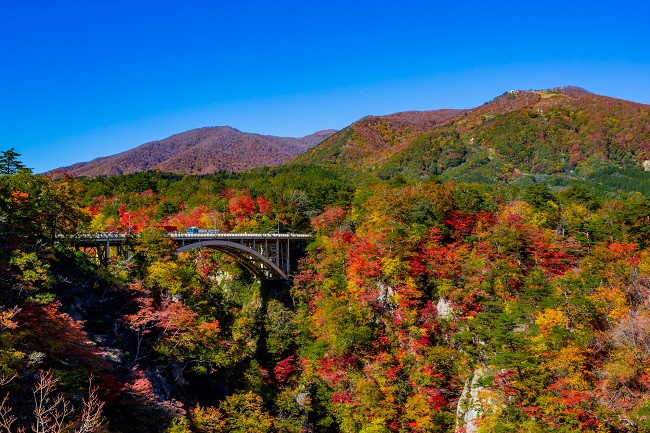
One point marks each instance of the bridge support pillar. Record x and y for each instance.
(123, 251)
(288, 265)
(101, 252)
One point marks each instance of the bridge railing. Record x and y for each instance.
(183, 235)
(95, 236)
(229, 235)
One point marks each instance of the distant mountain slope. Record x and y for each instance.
(200, 151)
(369, 142)
(561, 131)
(565, 132)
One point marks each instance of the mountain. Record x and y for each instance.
(200, 151)
(551, 135)
(369, 142)
(564, 132)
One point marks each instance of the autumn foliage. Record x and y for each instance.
(421, 304)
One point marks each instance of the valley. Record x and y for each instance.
(475, 270)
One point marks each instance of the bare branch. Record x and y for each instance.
(91, 416)
(6, 418)
(50, 412)
(4, 379)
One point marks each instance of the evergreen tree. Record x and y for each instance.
(9, 163)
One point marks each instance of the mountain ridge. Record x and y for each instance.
(520, 132)
(200, 151)
(564, 131)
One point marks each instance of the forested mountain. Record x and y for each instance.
(367, 144)
(461, 280)
(558, 135)
(199, 151)
(564, 133)
(567, 132)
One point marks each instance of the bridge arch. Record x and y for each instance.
(248, 257)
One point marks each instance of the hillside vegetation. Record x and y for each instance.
(367, 144)
(561, 136)
(444, 291)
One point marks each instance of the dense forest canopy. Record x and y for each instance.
(447, 289)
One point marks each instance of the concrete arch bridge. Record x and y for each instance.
(270, 256)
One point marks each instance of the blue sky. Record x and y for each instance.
(82, 79)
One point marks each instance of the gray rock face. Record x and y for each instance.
(473, 398)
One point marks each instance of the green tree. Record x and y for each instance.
(539, 195)
(9, 163)
(278, 325)
(38, 209)
(61, 214)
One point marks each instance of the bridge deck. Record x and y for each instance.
(115, 237)
(269, 255)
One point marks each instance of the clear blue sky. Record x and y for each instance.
(82, 79)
